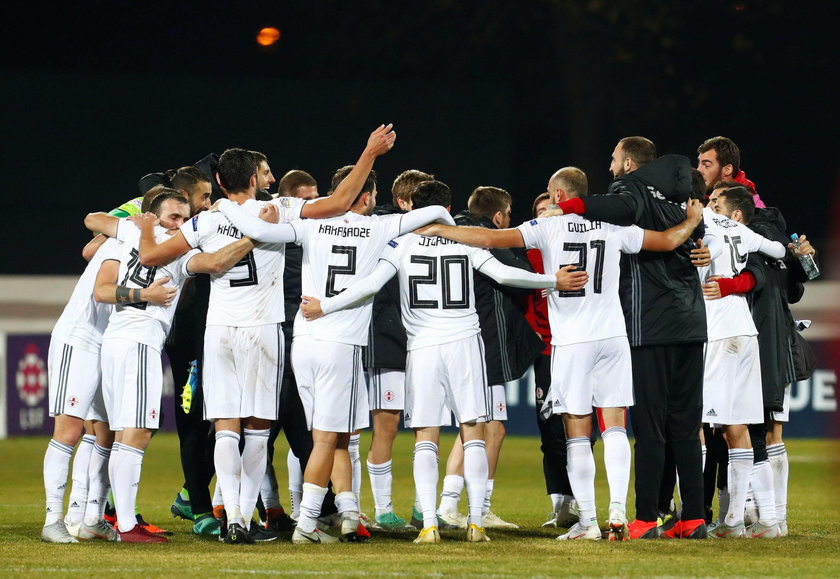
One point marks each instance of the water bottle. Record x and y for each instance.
(807, 261)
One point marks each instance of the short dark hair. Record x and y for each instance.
(487, 201)
(186, 178)
(236, 166)
(640, 149)
(341, 174)
(740, 198)
(539, 199)
(164, 194)
(406, 182)
(726, 185)
(726, 150)
(294, 179)
(259, 157)
(698, 186)
(150, 195)
(428, 193)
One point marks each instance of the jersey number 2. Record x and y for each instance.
(431, 277)
(597, 276)
(333, 270)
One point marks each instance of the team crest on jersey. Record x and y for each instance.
(195, 222)
(285, 202)
(393, 243)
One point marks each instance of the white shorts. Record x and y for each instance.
(784, 415)
(132, 383)
(331, 383)
(75, 382)
(447, 378)
(732, 382)
(386, 388)
(590, 374)
(243, 368)
(498, 402)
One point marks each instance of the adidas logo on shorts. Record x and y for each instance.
(711, 412)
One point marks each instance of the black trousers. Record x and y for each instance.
(668, 388)
(552, 434)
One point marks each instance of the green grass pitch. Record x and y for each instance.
(811, 550)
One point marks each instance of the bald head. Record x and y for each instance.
(566, 183)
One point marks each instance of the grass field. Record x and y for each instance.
(812, 549)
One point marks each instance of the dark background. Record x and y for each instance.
(96, 94)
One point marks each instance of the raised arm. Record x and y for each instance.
(107, 291)
(420, 217)
(476, 236)
(672, 238)
(92, 246)
(222, 260)
(153, 253)
(356, 292)
(254, 227)
(380, 142)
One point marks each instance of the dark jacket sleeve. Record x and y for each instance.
(619, 207)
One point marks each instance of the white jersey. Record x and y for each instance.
(436, 288)
(251, 292)
(143, 322)
(337, 251)
(594, 312)
(732, 242)
(84, 320)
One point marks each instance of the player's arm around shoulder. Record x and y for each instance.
(475, 236)
(672, 238)
(153, 253)
(219, 262)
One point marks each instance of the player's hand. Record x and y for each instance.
(805, 247)
(427, 230)
(159, 295)
(701, 256)
(310, 308)
(144, 220)
(694, 211)
(270, 213)
(570, 280)
(381, 140)
(552, 211)
(711, 289)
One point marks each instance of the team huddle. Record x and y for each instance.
(318, 316)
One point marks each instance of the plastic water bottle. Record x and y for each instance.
(807, 261)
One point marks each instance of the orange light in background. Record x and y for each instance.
(268, 36)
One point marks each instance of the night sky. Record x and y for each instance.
(96, 94)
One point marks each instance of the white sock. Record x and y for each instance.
(555, 501)
(762, 485)
(723, 504)
(310, 506)
(254, 457)
(425, 480)
(112, 462)
(56, 468)
(125, 484)
(269, 491)
(229, 473)
(345, 503)
(98, 484)
(739, 472)
(488, 495)
(779, 463)
(356, 466)
(703, 455)
(381, 481)
(617, 462)
(475, 478)
(295, 483)
(453, 484)
(580, 464)
(79, 490)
